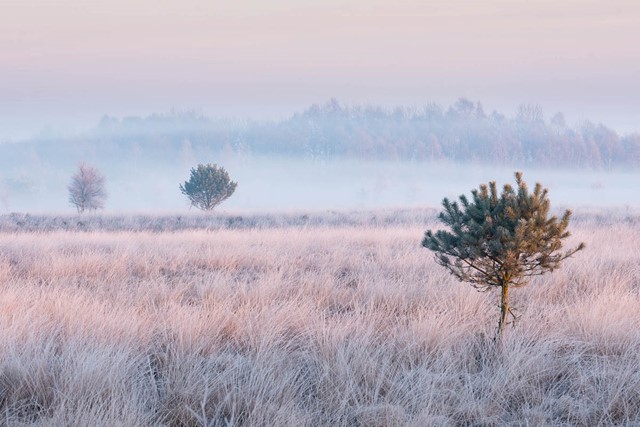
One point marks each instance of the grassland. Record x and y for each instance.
(307, 323)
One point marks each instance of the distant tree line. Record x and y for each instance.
(461, 132)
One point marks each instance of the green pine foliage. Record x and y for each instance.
(500, 240)
(208, 186)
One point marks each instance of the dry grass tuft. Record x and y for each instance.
(306, 326)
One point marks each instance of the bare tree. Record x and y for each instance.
(87, 189)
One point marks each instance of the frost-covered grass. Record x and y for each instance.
(196, 220)
(308, 325)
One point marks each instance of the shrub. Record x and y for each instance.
(208, 186)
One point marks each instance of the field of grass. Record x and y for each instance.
(344, 323)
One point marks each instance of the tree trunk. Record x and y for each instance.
(504, 312)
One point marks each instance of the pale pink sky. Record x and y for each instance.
(65, 63)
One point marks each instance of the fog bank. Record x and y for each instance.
(271, 183)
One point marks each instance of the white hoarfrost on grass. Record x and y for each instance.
(308, 326)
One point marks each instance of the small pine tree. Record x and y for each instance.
(208, 186)
(87, 189)
(500, 241)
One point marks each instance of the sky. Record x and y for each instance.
(66, 63)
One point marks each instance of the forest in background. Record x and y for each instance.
(462, 132)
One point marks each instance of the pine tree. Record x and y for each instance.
(500, 241)
(208, 186)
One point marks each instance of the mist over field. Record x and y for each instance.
(329, 156)
(276, 184)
